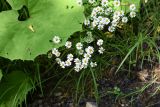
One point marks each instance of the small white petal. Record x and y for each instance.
(116, 3)
(68, 44)
(93, 64)
(70, 57)
(79, 46)
(56, 39)
(132, 14)
(132, 7)
(100, 42)
(124, 19)
(101, 50)
(89, 50)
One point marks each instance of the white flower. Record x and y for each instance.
(104, 3)
(70, 57)
(93, 14)
(111, 28)
(100, 10)
(132, 7)
(121, 13)
(100, 18)
(86, 22)
(79, 46)
(106, 21)
(79, 2)
(108, 11)
(114, 23)
(100, 42)
(55, 52)
(116, 18)
(58, 60)
(78, 65)
(124, 19)
(62, 64)
(89, 50)
(100, 26)
(81, 52)
(116, 13)
(56, 39)
(68, 63)
(132, 14)
(68, 44)
(91, 1)
(101, 50)
(116, 3)
(87, 56)
(77, 69)
(95, 10)
(94, 24)
(93, 64)
(77, 61)
(85, 61)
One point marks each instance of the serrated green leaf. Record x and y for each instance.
(30, 38)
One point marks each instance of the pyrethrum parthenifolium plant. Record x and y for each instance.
(108, 14)
(104, 15)
(30, 38)
(13, 88)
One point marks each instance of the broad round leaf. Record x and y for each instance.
(30, 38)
(17, 4)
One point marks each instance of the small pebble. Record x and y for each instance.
(57, 94)
(91, 104)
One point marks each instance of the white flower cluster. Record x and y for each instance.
(85, 55)
(106, 15)
(132, 9)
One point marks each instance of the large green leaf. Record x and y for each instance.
(13, 89)
(17, 4)
(27, 39)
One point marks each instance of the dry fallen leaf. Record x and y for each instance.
(142, 75)
(156, 73)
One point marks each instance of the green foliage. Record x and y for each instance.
(14, 88)
(17, 4)
(4, 5)
(30, 38)
(1, 75)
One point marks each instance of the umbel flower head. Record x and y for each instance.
(104, 14)
(78, 62)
